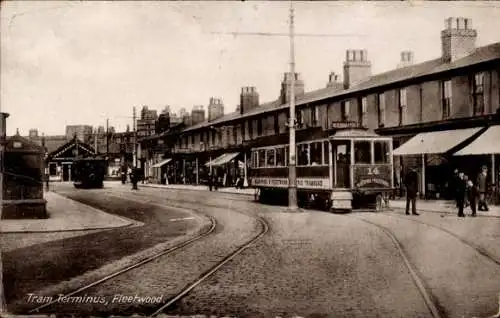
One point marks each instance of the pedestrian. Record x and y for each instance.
(482, 187)
(472, 189)
(134, 178)
(461, 188)
(210, 181)
(467, 191)
(411, 183)
(454, 185)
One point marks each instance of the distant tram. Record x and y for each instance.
(89, 172)
(339, 170)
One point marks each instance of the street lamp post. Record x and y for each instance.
(292, 173)
(3, 133)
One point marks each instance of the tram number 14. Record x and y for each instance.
(372, 171)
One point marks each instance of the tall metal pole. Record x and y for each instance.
(107, 138)
(134, 151)
(292, 175)
(3, 132)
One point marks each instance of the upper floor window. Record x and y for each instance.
(250, 129)
(228, 133)
(235, 134)
(363, 114)
(402, 105)
(381, 109)
(315, 115)
(346, 105)
(446, 98)
(213, 137)
(259, 127)
(299, 117)
(478, 93)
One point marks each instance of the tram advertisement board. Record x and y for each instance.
(302, 183)
(372, 176)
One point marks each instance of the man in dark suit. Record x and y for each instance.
(482, 187)
(461, 189)
(411, 183)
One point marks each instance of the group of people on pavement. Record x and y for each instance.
(466, 192)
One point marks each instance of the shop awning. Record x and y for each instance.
(222, 159)
(487, 143)
(435, 142)
(161, 163)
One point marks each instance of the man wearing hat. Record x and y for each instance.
(482, 187)
(411, 183)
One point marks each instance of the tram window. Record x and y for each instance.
(280, 157)
(302, 155)
(362, 152)
(343, 154)
(381, 149)
(326, 150)
(270, 158)
(286, 156)
(254, 161)
(262, 158)
(316, 153)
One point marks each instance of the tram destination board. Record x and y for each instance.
(304, 183)
(372, 176)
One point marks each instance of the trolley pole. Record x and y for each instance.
(292, 172)
(134, 151)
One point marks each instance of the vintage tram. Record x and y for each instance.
(89, 172)
(341, 169)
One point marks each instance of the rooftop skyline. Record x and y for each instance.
(68, 63)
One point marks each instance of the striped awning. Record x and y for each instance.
(161, 163)
(487, 143)
(435, 142)
(222, 159)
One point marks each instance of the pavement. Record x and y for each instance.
(441, 206)
(66, 215)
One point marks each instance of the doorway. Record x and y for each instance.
(66, 172)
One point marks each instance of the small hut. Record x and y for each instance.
(22, 184)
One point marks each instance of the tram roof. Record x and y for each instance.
(354, 133)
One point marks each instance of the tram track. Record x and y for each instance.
(177, 247)
(264, 228)
(215, 268)
(476, 247)
(429, 298)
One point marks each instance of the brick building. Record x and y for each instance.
(459, 89)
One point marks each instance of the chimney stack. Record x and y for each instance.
(458, 39)
(334, 82)
(406, 59)
(197, 115)
(249, 99)
(357, 68)
(215, 109)
(286, 85)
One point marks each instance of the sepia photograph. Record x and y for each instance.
(250, 159)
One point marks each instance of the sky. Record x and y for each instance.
(68, 63)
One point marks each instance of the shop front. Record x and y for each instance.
(227, 168)
(485, 151)
(430, 153)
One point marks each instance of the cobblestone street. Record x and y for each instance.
(309, 264)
